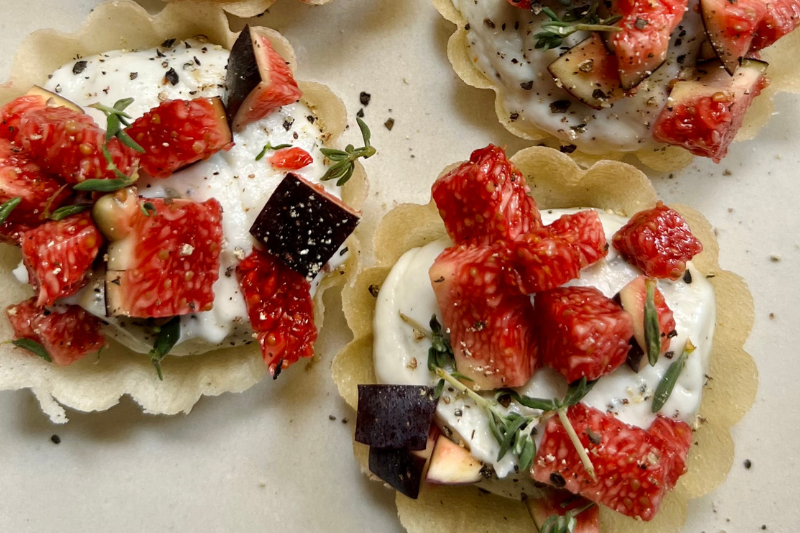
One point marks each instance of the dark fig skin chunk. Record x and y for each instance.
(243, 75)
(401, 469)
(395, 416)
(303, 225)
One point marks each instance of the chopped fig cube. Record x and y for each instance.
(704, 114)
(632, 298)
(259, 80)
(401, 469)
(588, 71)
(730, 28)
(303, 226)
(453, 465)
(395, 416)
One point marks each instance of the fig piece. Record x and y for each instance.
(588, 71)
(394, 416)
(453, 465)
(403, 469)
(259, 80)
(303, 225)
(53, 100)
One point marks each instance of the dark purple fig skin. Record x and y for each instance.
(304, 238)
(401, 469)
(243, 74)
(395, 416)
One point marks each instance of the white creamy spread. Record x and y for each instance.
(501, 43)
(400, 358)
(241, 184)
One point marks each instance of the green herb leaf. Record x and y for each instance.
(268, 147)
(527, 401)
(166, 339)
(577, 391)
(7, 207)
(68, 210)
(565, 523)
(527, 453)
(652, 331)
(345, 164)
(116, 118)
(148, 208)
(510, 434)
(583, 18)
(120, 182)
(33, 347)
(437, 392)
(670, 378)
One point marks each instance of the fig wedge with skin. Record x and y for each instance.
(259, 80)
(53, 99)
(588, 71)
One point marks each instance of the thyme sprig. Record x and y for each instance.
(7, 207)
(166, 337)
(33, 347)
(268, 147)
(652, 330)
(565, 523)
(575, 393)
(68, 210)
(345, 160)
(116, 118)
(670, 378)
(583, 18)
(102, 185)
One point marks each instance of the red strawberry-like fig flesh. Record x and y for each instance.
(550, 256)
(559, 503)
(485, 199)
(11, 114)
(163, 255)
(178, 133)
(782, 17)
(259, 80)
(703, 114)
(632, 297)
(69, 144)
(490, 322)
(658, 241)
(22, 178)
(67, 334)
(634, 468)
(59, 256)
(731, 27)
(641, 45)
(291, 159)
(581, 332)
(281, 310)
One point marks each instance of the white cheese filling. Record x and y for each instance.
(241, 184)
(400, 358)
(502, 45)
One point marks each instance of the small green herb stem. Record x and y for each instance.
(7, 207)
(667, 383)
(587, 463)
(416, 325)
(652, 330)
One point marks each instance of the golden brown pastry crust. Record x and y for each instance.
(95, 385)
(783, 74)
(556, 181)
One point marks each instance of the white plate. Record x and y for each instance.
(270, 459)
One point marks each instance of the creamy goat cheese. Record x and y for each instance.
(400, 358)
(501, 40)
(241, 184)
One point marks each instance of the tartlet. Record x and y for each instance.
(556, 181)
(781, 74)
(97, 385)
(251, 8)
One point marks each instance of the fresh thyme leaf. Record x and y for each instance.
(527, 401)
(585, 18)
(268, 147)
(7, 207)
(167, 337)
(68, 210)
(345, 165)
(33, 347)
(577, 391)
(100, 185)
(510, 434)
(652, 331)
(526, 455)
(116, 118)
(437, 392)
(667, 383)
(461, 377)
(148, 208)
(565, 523)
